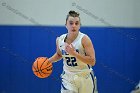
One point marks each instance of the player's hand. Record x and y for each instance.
(70, 49)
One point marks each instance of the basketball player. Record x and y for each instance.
(78, 55)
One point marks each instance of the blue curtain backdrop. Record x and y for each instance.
(117, 54)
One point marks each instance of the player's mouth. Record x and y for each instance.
(73, 30)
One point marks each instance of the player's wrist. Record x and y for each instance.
(75, 53)
(49, 60)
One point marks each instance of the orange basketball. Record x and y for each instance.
(42, 68)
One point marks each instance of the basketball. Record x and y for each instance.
(42, 68)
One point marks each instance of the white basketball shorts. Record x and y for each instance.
(78, 83)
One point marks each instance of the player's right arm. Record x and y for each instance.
(57, 56)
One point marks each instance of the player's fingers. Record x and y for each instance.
(66, 44)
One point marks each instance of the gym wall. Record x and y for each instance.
(28, 29)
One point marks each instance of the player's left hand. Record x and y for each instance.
(70, 49)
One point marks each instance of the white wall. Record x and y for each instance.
(124, 13)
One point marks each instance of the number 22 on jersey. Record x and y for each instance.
(71, 61)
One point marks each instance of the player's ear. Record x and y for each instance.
(65, 22)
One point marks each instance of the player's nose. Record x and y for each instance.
(74, 25)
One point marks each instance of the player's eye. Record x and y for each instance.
(71, 23)
(77, 23)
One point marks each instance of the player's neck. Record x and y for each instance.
(71, 37)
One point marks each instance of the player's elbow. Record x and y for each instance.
(93, 62)
(58, 55)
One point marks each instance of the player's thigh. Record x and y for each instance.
(68, 87)
(87, 85)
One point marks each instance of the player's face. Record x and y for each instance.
(73, 24)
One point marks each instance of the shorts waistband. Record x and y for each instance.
(84, 74)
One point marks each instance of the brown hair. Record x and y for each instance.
(73, 14)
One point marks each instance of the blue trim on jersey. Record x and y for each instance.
(93, 81)
(62, 86)
(88, 66)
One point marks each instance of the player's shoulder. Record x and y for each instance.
(62, 36)
(85, 38)
(83, 35)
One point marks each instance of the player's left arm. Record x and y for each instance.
(89, 58)
(89, 50)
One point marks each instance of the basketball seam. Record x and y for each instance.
(38, 69)
(42, 69)
(35, 68)
(46, 67)
(43, 63)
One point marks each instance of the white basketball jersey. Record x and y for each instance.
(71, 63)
